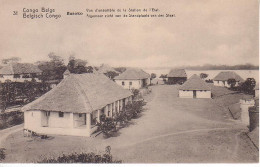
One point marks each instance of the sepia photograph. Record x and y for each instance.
(129, 82)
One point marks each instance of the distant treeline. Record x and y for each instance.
(223, 67)
(213, 67)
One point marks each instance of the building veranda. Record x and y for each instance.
(75, 105)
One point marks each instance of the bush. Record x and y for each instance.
(83, 158)
(2, 154)
(10, 119)
(107, 126)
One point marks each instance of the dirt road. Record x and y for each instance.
(170, 130)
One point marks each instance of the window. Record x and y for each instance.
(123, 83)
(80, 115)
(108, 113)
(16, 76)
(1, 76)
(61, 114)
(130, 83)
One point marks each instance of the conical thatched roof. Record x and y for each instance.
(195, 83)
(225, 75)
(133, 73)
(80, 93)
(177, 73)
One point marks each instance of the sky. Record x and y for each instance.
(203, 32)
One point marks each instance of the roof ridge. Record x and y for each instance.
(80, 89)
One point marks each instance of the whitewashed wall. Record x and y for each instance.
(199, 94)
(203, 94)
(32, 121)
(223, 83)
(136, 84)
(185, 94)
(11, 77)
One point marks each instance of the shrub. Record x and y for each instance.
(83, 158)
(10, 119)
(2, 154)
(107, 126)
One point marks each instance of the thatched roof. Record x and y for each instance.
(80, 93)
(195, 83)
(105, 68)
(225, 75)
(133, 73)
(177, 73)
(67, 72)
(19, 68)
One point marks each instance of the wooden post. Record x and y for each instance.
(118, 106)
(114, 109)
(88, 123)
(98, 116)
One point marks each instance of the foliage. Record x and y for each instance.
(231, 82)
(2, 154)
(163, 76)
(111, 74)
(13, 93)
(153, 75)
(78, 66)
(203, 75)
(107, 125)
(135, 92)
(83, 158)
(248, 86)
(10, 119)
(209, 81)
(52, 69)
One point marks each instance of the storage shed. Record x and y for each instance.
(195, 87)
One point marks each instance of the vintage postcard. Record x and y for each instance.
(129, 81)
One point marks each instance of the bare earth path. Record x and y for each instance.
(170, 130)
(6, 132)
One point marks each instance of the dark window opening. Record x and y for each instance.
(80, 115)
(61, 114)
(16, 76)
(130, 83)
(123, 83)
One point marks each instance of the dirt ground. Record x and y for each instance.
(170, 130)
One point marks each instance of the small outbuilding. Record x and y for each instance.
(222, 78)
(195, 87)
(75, 105)
(20, 72)
(177, 76)
(133, 78)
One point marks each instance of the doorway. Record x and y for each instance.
(194, 94)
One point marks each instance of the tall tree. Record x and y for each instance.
(52, 69)
(78, 66)
(203, 75)
(231, 82)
